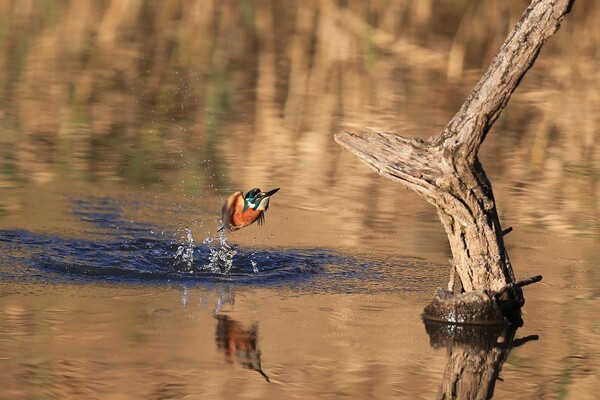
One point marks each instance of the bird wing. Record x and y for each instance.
(233, 203)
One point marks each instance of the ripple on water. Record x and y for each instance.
(28, 255)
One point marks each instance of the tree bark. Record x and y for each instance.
(445, 169)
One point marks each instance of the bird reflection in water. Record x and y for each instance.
(239, 344)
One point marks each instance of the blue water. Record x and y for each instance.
(124, 251)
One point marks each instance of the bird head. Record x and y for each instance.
(257, 200)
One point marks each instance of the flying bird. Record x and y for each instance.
(240, 211)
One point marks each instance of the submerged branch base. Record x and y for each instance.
(480, 307)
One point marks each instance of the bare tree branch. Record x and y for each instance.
(445, 169)
(471, 123)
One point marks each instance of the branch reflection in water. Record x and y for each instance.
(476, 354)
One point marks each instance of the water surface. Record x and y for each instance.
(124, 126)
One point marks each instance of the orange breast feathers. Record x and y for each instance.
(245, 218)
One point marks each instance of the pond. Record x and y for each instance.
(125, 126)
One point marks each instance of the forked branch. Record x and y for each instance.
(445, 169)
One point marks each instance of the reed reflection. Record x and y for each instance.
(184, 91)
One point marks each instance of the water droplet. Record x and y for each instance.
(184, 296)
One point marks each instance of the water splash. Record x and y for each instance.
(221, 258)
(185, 252)
(220, 255)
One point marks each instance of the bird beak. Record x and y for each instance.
(270, 192)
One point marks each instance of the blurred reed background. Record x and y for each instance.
(228, 93)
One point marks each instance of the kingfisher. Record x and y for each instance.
(240, 211)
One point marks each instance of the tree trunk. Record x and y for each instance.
(445, 169)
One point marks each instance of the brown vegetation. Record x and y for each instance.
(151, 92)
